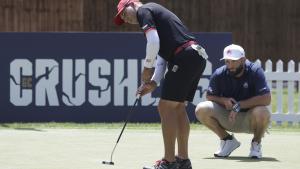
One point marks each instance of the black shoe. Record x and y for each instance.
(184, 163)
(163, 164)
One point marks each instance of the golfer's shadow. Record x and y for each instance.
(244, 159)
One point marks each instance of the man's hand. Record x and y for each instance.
(228, 103)
(147, 74)
(146, 88)
(234, 111)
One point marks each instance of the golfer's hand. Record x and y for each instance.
(232, 116)
(147, 74)
(146, 88)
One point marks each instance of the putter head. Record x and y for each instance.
(108, 163)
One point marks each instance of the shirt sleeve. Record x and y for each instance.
(152, 48)
(160, 69)
(145, 19)
(213, 85)
(261, 86)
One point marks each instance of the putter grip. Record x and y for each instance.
(138, 96)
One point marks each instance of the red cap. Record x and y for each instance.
(121, 6)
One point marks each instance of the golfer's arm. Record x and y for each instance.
(263, 100)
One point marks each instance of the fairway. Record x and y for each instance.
(30, 148)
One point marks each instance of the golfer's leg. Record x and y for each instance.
(183, 131)
(168, 118)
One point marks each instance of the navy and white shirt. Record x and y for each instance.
(171, 31)
(251, 83)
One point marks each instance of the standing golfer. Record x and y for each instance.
(238, 97)
(172, 45)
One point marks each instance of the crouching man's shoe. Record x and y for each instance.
(255, 150)
(227, 147)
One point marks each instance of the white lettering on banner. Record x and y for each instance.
(100, 96)
(122, 82)
(208, 69)
(200, 94)
(73, 96)
(74, 82)
(46, 75)
(18, 95)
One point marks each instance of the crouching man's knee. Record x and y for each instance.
(261, 115)
(203, 110)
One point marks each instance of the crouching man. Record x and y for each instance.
(237, 101)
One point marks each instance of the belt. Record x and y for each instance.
(183, 46)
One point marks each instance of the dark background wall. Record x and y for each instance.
(267, 29)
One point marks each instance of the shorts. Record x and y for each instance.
(242, 122)
(183, 75)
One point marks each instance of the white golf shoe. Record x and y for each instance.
(255, 150)
(226, 147)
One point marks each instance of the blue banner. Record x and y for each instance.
(84, 77)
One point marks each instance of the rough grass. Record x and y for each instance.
(142, 126)
(274, 102)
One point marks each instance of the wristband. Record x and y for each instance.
(236, 107)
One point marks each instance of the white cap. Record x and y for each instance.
(233, 52)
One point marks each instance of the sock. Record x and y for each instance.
(229, 137)
(256, 141)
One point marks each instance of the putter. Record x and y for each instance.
(127, 119)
